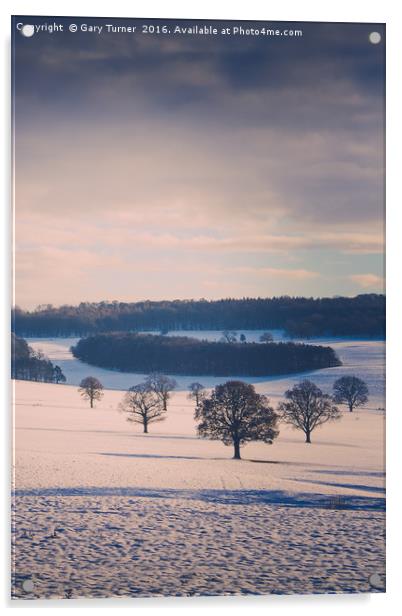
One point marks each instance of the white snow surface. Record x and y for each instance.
(62, 442)
(99, 507)
(102, 509)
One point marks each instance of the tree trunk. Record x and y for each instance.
(350, 407)
(308, 436)
(236, 450)
(145, 427)
(92, 402)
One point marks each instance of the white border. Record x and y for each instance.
(290, 10)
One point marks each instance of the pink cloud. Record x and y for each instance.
(367, 281)
(274, 272)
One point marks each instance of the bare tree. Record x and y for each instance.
(197, 393)
(58, 375)
(266, 337)
(307, 407)
(236, 414)
(229, 336)
(350, 390)
(91, 389)
(142, 405)
(162, 386)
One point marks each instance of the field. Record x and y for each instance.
(101, 509)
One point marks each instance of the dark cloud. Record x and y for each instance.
(208, 136)
(64, 64)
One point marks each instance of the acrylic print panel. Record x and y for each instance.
(198, 319)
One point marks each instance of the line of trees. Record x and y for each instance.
(144, 403)
(30, 365)
(234, 412)
(231, 337)
(363, 315)
(130, 352)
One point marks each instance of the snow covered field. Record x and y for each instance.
(103, 510)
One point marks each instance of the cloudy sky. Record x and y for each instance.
(169, 167)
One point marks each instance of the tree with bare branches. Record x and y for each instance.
(91, 389)
(235, 414)
(266, 337)
(142, 405)
(197, 393)
(162, 386)
(350, 390)
(307, 407)
(229, 337)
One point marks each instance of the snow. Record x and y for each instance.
(62, 425)
(130, 546)
(102, 509)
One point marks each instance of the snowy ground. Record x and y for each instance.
(104, 510)
(128, 546)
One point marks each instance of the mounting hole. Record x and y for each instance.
(374, 38)
(27, 30)
(28, 585)
(376, 581)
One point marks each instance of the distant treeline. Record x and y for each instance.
(30, 365)
(181, 355)
(363, 315)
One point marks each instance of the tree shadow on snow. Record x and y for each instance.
(150, 455)
(351, 486)
(352, 473)
(218, 497)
